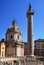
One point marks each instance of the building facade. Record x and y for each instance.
(13, 45)
(39, 47)
(26, 48)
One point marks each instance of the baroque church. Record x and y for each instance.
(13, 49)
(13, 44)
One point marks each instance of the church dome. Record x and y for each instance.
(14, 28)
(13, 33)
(17, 30)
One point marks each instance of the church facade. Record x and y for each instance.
(13, 44)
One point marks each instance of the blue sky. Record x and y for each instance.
(17, 9)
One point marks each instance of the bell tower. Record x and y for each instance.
(30, 14)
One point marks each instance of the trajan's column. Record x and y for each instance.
(30, 14)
